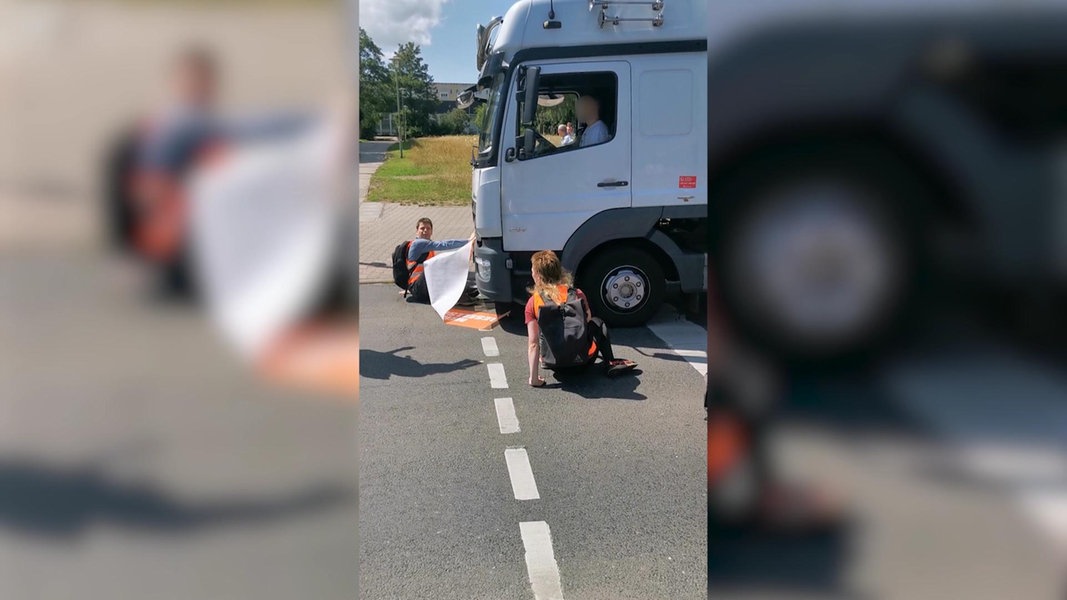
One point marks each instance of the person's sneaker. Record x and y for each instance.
(466, 300)
(620, 365)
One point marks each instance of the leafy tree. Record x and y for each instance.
(548, 118)
(418, 96)
(453, 122)
(375, 86)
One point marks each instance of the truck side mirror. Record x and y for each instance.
(530, 86)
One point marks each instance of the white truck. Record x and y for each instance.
(627, 216)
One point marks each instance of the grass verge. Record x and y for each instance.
(435, 171)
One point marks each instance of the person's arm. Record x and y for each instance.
(533, 352)
(439, 246)
(585, 304)
(268, 127)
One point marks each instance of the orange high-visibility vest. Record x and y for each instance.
(727, 445)
(416, 272)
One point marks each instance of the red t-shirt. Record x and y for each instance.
(530, 306)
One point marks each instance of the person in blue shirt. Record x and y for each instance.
(423, 248)
(588, 112)
(170, 145)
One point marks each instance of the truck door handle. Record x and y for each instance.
(613, 184)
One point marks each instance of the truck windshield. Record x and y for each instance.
(488, 124)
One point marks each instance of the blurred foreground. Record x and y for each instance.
(888, 334)
(141, 456)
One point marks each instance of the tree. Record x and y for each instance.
(453, 122)
(375, 86)
(418, 96)
(548, 118)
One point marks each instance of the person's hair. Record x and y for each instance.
(424, 220)
(561, 126)
(198, 57)
(550, 271)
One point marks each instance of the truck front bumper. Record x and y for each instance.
(492, 270)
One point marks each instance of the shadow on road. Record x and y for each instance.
(383, 365)
(804, 566)
(58, 502)
(593, 385)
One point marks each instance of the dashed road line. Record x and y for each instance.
(497, 379)
(522, 479)
(489, 347)
(505, 415)
(541, 560)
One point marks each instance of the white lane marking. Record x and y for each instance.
(541, 560)
(522, 479)
(685, 339)
(505, 415)
(497, 379)
(489, 346)
(1006, 417)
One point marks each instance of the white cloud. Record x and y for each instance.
(393, 22)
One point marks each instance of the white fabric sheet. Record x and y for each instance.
(446, 277)
(263, 223)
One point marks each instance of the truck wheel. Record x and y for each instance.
(818, 265)
(624, 285)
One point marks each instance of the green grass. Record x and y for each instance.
(435, 171)
(407, 145)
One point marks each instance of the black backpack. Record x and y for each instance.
(401, 272)
(565, 339)
(117, 202)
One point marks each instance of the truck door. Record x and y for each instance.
(548, 193)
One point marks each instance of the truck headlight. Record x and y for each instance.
(481, 268)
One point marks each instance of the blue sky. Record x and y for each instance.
(443, 28)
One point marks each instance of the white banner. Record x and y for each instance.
(263, 223)
(446, 277)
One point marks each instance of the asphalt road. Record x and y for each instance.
(951, 453)
(619, 467)
(139, 459)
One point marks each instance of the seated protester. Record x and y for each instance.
(170, 146)
(423, 248)
(561, 330)
(588, 112)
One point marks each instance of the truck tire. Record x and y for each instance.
(818, 263)
(624, 285)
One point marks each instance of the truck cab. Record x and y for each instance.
(627, 214)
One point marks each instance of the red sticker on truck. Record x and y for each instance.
(687, 181)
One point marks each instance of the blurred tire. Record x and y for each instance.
(816, 258)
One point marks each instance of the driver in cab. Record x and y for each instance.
(587, 110)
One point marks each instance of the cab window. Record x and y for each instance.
(572, 99)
